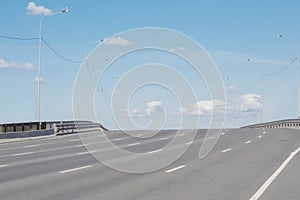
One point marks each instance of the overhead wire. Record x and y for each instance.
(45, 42)
(58, 54)
(18, 38)
(261, 76)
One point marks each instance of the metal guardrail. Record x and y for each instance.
(65, 127)
(26, 134)
(25, 126)
(288, 123)
(61, 127)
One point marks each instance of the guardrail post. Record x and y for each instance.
(55, 128)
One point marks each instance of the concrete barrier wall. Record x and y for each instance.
(24, 134)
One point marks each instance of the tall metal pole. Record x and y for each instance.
(262, 100)
(39, 74)
(298, 78)
(39, 64)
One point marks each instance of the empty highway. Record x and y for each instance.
(244, 164)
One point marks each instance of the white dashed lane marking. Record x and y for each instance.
(1, 166)
(117, 139)
(87, 152)
(259, 136)
(158, 150)
(74, 140)
(249, 141)
(176, 168)
(75, 169)
(133, 144)
(165, 138)
(30, 146)
(226, 150)
(23, 154)
(80, 145)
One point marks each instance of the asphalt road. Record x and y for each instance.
(237, 168)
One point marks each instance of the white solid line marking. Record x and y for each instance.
(174, 169)
(263, 188)
(226, 150)
(165, 138)
(1, 166)
(117, 139)
(86, 152)
(249, 141)
(74, 140)
(75, 169)
(259, 136)
(22, 154)
(158, 150)
(36, 145)
(188, 143)
(133, 144)
(209, 138)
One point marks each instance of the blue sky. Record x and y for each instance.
(240, 36)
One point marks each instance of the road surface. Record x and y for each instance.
(237, 168)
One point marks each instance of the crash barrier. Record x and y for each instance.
(25, 126)
(288, 123)
(66, 127)
(23, 134)
(32, 129)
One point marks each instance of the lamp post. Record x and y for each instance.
(39, 63)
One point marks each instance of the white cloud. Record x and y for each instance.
(154, 106)
(250, 103)
(117, 41)
(33, 9)
(132, 113)
(206, 107)
(13, 64)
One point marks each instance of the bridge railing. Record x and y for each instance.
(58, 127)
(65, 127)
(289, 123)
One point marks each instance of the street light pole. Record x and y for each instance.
(298, 77)
(39, 74)
(39, 63)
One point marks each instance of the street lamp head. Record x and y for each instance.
(65, 10)
(279, 35)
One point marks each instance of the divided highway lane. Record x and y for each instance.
(239, 164)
